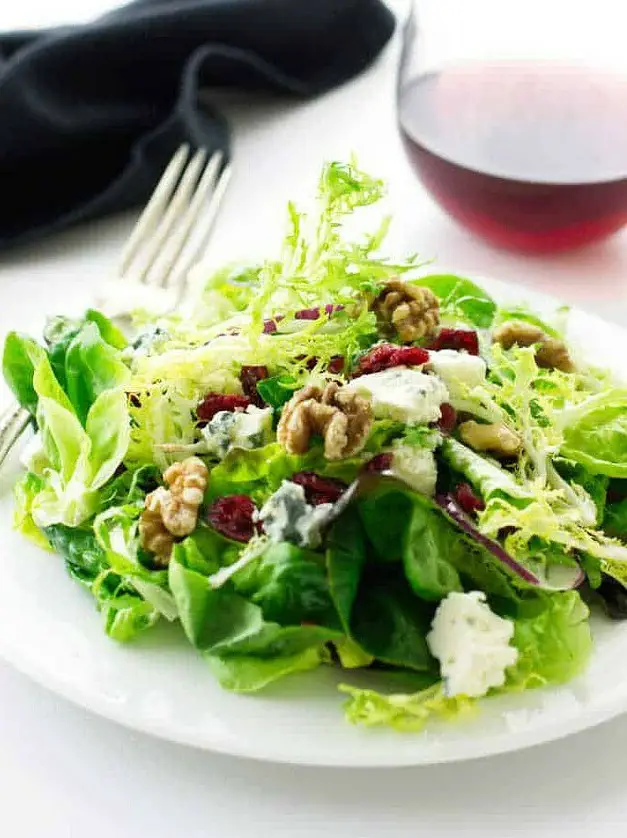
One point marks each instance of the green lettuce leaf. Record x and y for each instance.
(554, 646)
(290, 585)
(249, 674)
(20, 356)
(245, 650)
(486, 477)
(91, 367)
(25, 491)
(83, 459)
(461, 299)
(125, 614)
(406, 527)
(615, 519)
(595, 433)
(432, 550)
(405, 712)
(377, 608)
(277, 390)
(259, 472)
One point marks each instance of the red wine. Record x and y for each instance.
(531, 156)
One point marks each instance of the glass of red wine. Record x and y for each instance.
(514, 117)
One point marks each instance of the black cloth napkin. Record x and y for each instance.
(90, 115)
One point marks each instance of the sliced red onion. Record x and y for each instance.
(560, 577)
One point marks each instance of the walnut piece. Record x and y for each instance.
(342, 417)
(173, 512)
(153, 535)
(409, 309)
(551, 354)
(496, 438)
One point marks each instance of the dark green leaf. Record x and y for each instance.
(615, 520)
(431, 550)
(79, 548)
(277, 390)
(20, 357)
(385, 515)
(376, 606)
(290, 585)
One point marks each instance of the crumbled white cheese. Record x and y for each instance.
(250, 428)
(472, 644)
(416, 467)
(286, 516)
(458, 367)
(148, 343)
(406, 395)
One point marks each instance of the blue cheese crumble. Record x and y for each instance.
(286, 516)
(403, 394)
(472, 644)
(416, 467)
(458, 368)
(250, 428)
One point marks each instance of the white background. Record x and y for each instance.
(64, 772)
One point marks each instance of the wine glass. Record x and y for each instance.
(514, 117)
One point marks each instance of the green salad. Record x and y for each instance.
(335, 460)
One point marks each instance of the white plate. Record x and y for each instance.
(50, 630)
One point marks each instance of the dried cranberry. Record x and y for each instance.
(307, 314)
(319, 489)
(215, 402)
(270, 326)
(467, 499)
(380, 462)
(336, 364)
(448, 418)
(314, 313)
(388, 355)
(249, 377)
(457, 339)
(232, 516)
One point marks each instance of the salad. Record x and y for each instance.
(335, 460)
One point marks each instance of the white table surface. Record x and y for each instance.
(64, 772)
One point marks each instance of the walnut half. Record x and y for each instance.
(342, 417)
(551, 354)
(173, 512)
(412, 311)
(496, 438)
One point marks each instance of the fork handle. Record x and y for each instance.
(12, 425)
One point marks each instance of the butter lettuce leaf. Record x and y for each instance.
(82, 459)
(404, 712)
(595, 433)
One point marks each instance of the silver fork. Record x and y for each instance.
(168, 240)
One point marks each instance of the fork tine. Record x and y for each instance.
(12, 425)
(180, 281)
(164, 267)
(180, 199)
(155, 206)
